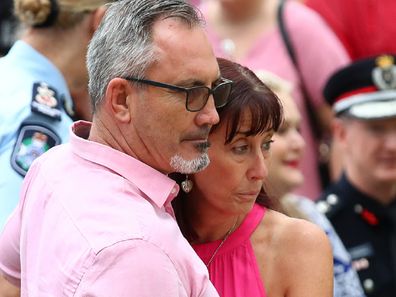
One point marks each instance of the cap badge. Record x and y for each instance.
(384, 75)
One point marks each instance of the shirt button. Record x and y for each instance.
(332, 199)
(358, 208)
(174, 190)
(368, 285)
(323, 206)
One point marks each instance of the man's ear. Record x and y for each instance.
(118, 96)
(339, 130)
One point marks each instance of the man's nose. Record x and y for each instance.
(208, 114)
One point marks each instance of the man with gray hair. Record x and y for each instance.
(95, 216)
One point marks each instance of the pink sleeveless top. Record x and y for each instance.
(234, 270)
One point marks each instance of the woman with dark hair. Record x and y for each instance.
(249, 248)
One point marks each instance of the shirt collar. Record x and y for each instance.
(157, 186)
(354, 195)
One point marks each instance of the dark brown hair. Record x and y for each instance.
(250, 94)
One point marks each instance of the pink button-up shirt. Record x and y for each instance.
(93, 221)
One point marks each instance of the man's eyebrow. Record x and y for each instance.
(196, 82)
(189, 83)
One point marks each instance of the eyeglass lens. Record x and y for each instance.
(221, 94)
(197, 97)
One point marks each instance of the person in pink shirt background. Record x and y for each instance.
(365, 27)
(249, 248)
(95, 218)
(246, 31)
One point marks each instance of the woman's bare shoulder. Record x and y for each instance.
(287, 237)
(291, 231)
(296, 249)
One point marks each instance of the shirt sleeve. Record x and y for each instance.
(131, 268)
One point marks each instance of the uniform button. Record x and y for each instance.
(368, 285)
(332, 199)
(174, 190)
(358, 208)
(322, 206)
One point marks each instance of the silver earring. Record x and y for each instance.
(187, 185)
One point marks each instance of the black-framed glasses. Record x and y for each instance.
(197, 96)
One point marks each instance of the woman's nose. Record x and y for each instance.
(258, 169)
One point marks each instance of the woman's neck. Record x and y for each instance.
(240, 28)
(241, 13)
(208, 231)
(206, 222)
(231, 12)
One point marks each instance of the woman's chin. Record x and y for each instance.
(293, 180)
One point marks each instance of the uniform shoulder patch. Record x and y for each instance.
(46, 101)
(32, 141)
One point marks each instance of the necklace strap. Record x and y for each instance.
(229, 232)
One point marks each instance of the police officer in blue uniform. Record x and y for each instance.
(361, 205)
(39, 76)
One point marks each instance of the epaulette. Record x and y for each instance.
(330, 204)
(46, 101)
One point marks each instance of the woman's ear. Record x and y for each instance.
(117, 99)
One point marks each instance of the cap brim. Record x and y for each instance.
(373, 110)
(371, 106)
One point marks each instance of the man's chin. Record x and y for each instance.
(184, 165)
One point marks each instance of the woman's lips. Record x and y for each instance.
(293, 163)
(249, 195)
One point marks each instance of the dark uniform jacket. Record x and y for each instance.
(368, 231)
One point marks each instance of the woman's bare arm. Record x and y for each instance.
(308, 262)
(7, 289)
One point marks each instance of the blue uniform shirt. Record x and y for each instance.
(346, 280)
(25, 74)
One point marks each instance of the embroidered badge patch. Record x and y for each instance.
(45, 101)
(32, 142)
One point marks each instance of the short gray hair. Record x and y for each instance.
(122, 45)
